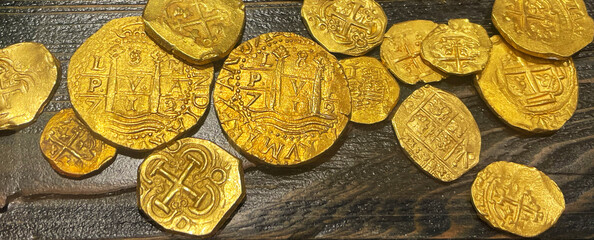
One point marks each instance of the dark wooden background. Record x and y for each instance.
(365, 187)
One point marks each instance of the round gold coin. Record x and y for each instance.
(198, 31)
(546, 28)
(374, 92)
(351, 27)
(282, 98)
(70, 148)
(133, 93)
(28, 76)
(438, 133)
(401, 52)
(191, 186)
(517, 198)
(460, 47)
(526, 92)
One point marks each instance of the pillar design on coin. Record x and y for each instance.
(191, 186)
(132, 92)
(438, 133)
(282, 98)
(351, 27)
(28, 76)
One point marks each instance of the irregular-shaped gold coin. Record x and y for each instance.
(544, 28)
(438, 133)
(374, 92)
(198, 31)
(28, 76)
(351, 27)
(460, 47)
(517, 198)
(70, 148)
(191, 186)
(133, 93)
(401, 52)
(282, 98)
(529, 93)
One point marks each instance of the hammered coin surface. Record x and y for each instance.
(198, 31)
(133, 93)
(401, 52)
(517, 198)
(544, 28)
(282, 98)
(460, 47)
(70, 148)
(529, 93)
(374, 92)
(351, 27)
(28, 76)
(191, 186)
(438, 133)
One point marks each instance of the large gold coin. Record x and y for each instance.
(282, 98)
(544, 28)
(374, 92)
(529, 93)
(517, 198)
(191, 186)
(438, 133)
(199, 31)
(70, 148)
(28, 76)
(351, 27)
(401, 52)
(460, 47)
(132, 92)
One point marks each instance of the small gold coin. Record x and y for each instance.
(517, 198)
(374, 92)
(198, 31)
(438, 133)
(70, 148)
(526, 92)
(191, 186)
(545, 28)
(351, 27)
(282, 98)
(460, 47)
(28, 76)
(401, 52)
(133, 93)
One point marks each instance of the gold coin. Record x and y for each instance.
(401, 52)
(132, 92)
(546, 28)
(28, 76)
(198, 31)
(351, 27)
(438, 133)
(70, 148)
(526, 92)
(517, 198)
(460, 47)
(282, 98)
(374, 92)
(191, 186)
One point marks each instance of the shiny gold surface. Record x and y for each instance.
(438, 133)
(132, 92)
(191, 186)
(28, 76)
(374, 92)
(282, 98)
(198, 31)
(70, 148)
(517, 198)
